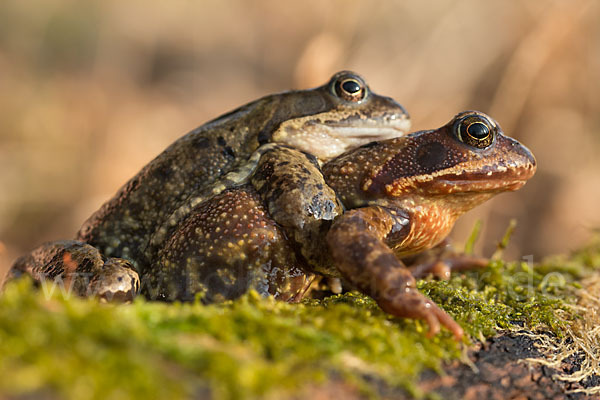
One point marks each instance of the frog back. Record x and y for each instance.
(124, 224)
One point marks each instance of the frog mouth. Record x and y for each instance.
(328, 139)
(368, 133)
(370, 130)
(494, 179)
(505, 173)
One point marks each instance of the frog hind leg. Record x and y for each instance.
(79, 268)
(442, 260)
(226, 246)
(443, 268)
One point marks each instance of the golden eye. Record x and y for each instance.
(475, 131)
(349, 87)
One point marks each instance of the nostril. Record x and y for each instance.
(529, 156)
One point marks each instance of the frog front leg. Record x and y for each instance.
(294, 191)
(357, 243)
(80, 269)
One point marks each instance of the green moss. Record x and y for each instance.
(503, 296)
(256, 347)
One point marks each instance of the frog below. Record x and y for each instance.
(401, 197)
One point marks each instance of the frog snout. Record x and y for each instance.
(528, 156)
(525, 161)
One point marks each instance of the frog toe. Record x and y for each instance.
(442, 268)
(412, 304)
(439, 269)
(446, 320)
(117, 281)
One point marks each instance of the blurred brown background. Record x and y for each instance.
(91, 91)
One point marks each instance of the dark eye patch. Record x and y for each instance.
(431, 156)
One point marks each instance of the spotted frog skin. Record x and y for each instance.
(121, 241)
(400, 197)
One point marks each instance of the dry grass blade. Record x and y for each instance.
(580, 345)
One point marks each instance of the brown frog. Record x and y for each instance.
(122, 239)
(401, 196)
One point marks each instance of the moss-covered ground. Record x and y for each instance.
(52, 346)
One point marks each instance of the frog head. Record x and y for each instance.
(340, 115)
(461, 164)
(455, 167)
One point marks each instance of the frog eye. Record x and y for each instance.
(349, 87)
(476, 131)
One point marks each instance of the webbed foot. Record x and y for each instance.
(115, 281)
(442, 260)
(79, 268)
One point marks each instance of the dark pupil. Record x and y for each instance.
(351, 86)
(478, 130)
